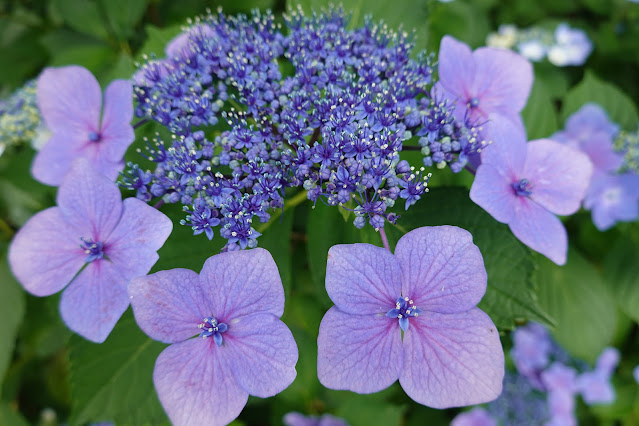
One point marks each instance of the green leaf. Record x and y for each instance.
(621, 272)
(619, 107)
(112, 379)
(539, 115)
(277, 240)
(325, 229)
(409, 15)
(83, 16)
(12, 306)
(371, 409)
(157, 39)
(580, 303)
(511, 294)
(8, 416)
(464, 21)
(123, 15)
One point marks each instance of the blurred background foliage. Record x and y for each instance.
(53, 377)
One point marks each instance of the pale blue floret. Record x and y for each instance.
(404, 309)
(210, 327)
(94, 137)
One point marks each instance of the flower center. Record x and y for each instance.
(210, 327)
(404, 309)
(92, 249)
(94, 137)
(523, 188)
(473, 102)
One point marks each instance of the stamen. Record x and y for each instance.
(94, 137)
(523, 188)
(404, 310)
(210, 327)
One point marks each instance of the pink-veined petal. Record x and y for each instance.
(262, 354)
(54, 160)
(70, 100)
(363, 279)
(443, 270)
(452, 360)
(196, 386)
(493, 192)
(95, 300)
(169, 305)
(456, 67)
(559, 175)
(540, 230)
(359, 353)
(243, 282)
(502, 81)
(116, 130)
(90, 201)
(45, 254)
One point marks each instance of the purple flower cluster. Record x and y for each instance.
(613, 191)
(254, 110)
(547, 382)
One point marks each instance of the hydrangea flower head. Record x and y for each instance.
(484, 82)
(93, 242)
(297, 419)
(233, 307)
(591, 131)
(526, 184)
(572, 46)
(82, 123)
(450, 354)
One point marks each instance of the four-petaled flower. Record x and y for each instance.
(92, 241)
(526, 184)
(450, 354)
(70, 101)
(237, 299)
(484, 82)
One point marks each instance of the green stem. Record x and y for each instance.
(6, 229)
(289, 204)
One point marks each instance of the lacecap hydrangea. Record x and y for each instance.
(255, 107)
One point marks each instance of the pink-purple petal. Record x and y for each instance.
(54, 160)
(507, 152)
(559, 175)
(362, 279)
(452, 360)
(359, 353)
(443, 270)
(456, 67)
(116, 131)
(95, 300)
(90, 201)
(44, 255)
(140, 233)
(195, 385)
(262, 354)
(493, 192)
(169, 305)
(243, 283)
(70, 100)
(540, 230)
(502, 81)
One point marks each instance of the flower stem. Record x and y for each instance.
(158, 204)
(6, 229)
(139, 123)
(382, 234)
(290, 203)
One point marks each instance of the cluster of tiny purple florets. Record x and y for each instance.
(254, 110)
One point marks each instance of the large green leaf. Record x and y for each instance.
(113, 379)
(123, 15)
(619, 107)
(83, 16)
(621, 272)
(511, 294)
(277, 240)
(409, 15)
(580, 303)
(539, 115)
(12, 308)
